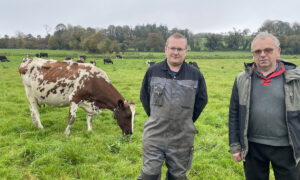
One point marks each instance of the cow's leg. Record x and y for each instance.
(35, 115)
(72, 115)
(90, 109)
(89, 119)
(33, 105)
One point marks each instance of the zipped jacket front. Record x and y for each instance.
(185, 74)
(240, 108)
(173, 103)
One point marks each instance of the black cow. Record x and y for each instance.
(82, 57)
(80, 61)
(3, 59)
(108, 61)
(37, 55)
(68, 59)
(149, 63)
(42, 54)
(194, 64)
(119, 56)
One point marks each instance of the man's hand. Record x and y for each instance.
(237, 157)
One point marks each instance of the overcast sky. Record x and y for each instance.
(32, 16)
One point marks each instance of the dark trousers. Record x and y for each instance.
(257, 164)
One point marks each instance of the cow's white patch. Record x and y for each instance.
(73, 109)
(89, 107)
(132, 108)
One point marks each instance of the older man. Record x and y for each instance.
(264, 115)
(173, 94)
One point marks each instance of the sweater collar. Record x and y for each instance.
(280, 69)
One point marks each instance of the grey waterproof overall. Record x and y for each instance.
(169, 131)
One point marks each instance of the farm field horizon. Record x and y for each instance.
(30, 153)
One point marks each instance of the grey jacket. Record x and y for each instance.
(240, 105)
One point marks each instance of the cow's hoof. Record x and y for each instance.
(67, 132)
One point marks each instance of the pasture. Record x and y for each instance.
(104, 153)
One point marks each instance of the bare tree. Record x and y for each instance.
(48, 29)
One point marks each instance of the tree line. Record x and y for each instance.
(150, 38)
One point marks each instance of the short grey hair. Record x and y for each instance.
(263, 35)
(177, 36)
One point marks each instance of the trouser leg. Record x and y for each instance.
(169, 176)
(256, 166)
(144, 176)
(283, 163)
(153, 158)
(178, 161)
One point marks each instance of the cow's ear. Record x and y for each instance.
(120, 103)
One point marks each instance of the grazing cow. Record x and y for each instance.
(3, 59)
(82, 57)
(68, 59)
(108, 61)
(80, 61)
(93, 63)
(59, 83)
(37, 55)
(118, 56)
(149, 63)
(194, 64)
(43, 54)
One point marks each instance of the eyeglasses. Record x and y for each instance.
(266, 51)
(173, 49)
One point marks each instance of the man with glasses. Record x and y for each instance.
(173, 94)
(264, 114)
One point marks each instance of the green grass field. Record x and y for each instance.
(29, 153)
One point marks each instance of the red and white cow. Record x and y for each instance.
(57, 83)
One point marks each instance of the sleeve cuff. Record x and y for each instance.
(235, 148)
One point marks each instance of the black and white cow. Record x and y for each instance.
(118, 56)
(93, 62)
(150, 63)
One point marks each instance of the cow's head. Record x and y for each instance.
(124, 114)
